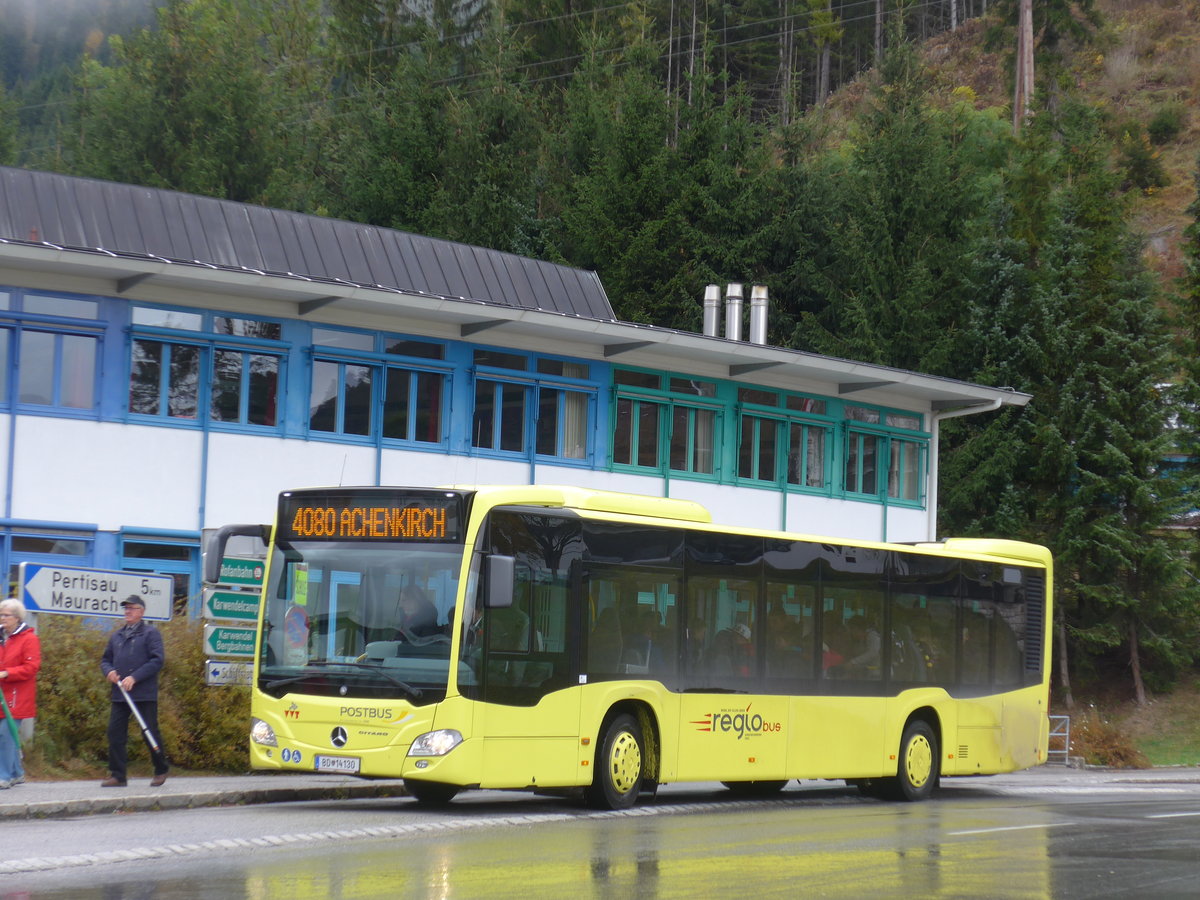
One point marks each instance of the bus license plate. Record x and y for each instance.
(348, 764)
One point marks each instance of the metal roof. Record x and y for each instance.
(142, 240)
(122, 219)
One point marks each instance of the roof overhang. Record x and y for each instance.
(631, 344)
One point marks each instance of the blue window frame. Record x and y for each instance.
(49, 546)
(532, 406)
(161, 555)
(370, 387)
(203, 367)
(54, 341)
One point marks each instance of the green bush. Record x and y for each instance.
(203, 728)
(1167, 124)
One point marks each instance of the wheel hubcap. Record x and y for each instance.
(625, 762)
(918, 761)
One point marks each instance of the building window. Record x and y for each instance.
(499, 418)
(341, 400)
(663, 420)
(46, 547)
(179, 560)
(545, 411)
(885, 462)
(906, 469)
(357, 390)
(862, 459)
(228, 369)
(164, 379)
(57, 370)
(412, 405)
(562, 423)
(245, 387)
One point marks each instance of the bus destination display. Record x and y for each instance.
(373, 516)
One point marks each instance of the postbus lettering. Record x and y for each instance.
(365, 712)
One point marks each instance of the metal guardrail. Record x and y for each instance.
(1059, 748)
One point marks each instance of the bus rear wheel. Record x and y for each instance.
(917, 769)
(618, 771)
(431, 793)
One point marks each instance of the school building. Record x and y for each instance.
(169, 363)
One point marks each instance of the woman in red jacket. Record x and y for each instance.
(20, 659)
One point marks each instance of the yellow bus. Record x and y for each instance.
(560, 639)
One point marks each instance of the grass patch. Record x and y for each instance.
(1167, 729)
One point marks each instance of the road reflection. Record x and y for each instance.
(880, 850)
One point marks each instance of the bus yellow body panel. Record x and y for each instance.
(851, 648)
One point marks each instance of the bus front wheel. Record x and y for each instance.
(618, 773)
(917, 769)
(431, 793)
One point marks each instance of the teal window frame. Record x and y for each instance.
(675, 452)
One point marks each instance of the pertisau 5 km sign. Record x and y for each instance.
(93, 592)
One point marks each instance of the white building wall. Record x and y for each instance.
(246, 473)
(122, 476)
(110, 474)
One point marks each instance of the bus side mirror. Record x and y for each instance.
(215, 551)
(499, 576)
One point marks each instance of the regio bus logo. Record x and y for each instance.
(292, 712)
(337, 737)
(741, 722)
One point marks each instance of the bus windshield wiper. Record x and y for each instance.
(414, 692)
(394, 679)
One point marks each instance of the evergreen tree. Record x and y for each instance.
(185, 106)
(1076, 324)
(900, 229)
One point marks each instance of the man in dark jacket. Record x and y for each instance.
(132, 660)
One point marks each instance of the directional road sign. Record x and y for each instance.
(238, 605)
(93, 592)
(242, 570)
(221, 640)
(226, 671)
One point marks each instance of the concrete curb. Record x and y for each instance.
(147, 802)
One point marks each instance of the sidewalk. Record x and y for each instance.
(60, 799)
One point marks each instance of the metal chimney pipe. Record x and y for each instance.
(712, 310)
(758, 314)
(733, 312)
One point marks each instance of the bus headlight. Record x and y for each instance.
(435, 743)
(262, 733)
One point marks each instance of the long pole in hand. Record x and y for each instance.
(146, 732)
(12, 723)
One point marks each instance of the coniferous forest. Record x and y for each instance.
(897, 216)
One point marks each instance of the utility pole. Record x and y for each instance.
(1023, 88)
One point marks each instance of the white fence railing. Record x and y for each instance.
(1059, 749)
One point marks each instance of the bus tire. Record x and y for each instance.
(619, 766)
(917, 767)
(755, 788)
(875, 788)
(431, 793)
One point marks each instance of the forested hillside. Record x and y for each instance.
(861, 159)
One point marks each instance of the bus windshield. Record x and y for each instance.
(354, 619)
